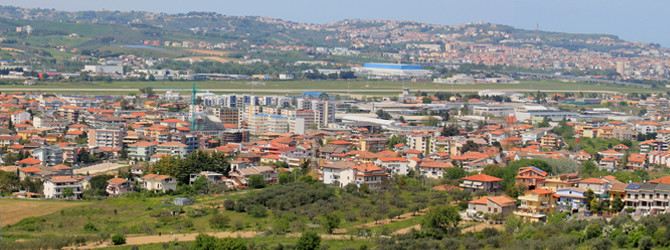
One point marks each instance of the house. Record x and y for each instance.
(211, 177)
(394, 165)
(339, 173)
(433, 169)
(159, 183)
(571, 198)
(609, 163)
(29, 162)
(531, 176)
(369, 174)
(269, 173)
(536, 204)
(481, 182)
(55, 186)
(598, 186)
(118, 186)
(491, 205)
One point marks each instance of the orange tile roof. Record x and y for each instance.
(482, 178)
(29, 161)
(593, 181)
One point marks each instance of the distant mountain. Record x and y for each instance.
(209, 26)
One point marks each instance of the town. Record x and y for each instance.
(146, 130)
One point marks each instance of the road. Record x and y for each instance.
(298, 90)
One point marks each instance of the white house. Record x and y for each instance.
(54, 187)
(395, 165)
(163, 183)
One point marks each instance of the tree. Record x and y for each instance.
(383, 115)
(469, 146)
(308, 241)
(208, 242)
(219, 221)
(258, 211)
(594, 206)
(229, 204)
(427, 100)
(454, 173)
(593, 231)
(617, 205)
(148, 91)
(430, 121)
(68, 192)
(285, 177)
(544, 123)
(588, 168)
(256, 181)
(201, 185)
(442, 220)
(331, 222)
(118, 239)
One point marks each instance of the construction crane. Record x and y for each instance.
(193, 91)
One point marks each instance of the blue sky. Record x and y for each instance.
(641, 20)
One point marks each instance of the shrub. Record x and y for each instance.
(229, 204)
(593, 231)
(118, 239)
(219, 221)
(308, 241)
(89, 227)
(258, 211)
(645, 243)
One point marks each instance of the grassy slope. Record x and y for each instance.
(14, 210)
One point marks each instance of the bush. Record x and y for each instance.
(258, 211)
(645, 243)
(219, 221)
(118, 239)
(89, 227)
(229, 204)
(308, 241)
(593, 231)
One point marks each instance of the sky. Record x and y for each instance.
(640, 20)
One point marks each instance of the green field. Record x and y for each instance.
(379, 88)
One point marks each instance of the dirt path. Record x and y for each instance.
(402, 217)
(150, 239)
(481, 226)
(407, 229)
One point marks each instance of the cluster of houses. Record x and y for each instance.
(565, 192)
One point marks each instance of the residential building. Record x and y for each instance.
(433, 169)
(491, 205)
(598, 186)
(394, 165)
(110, 138)
(54, 187)
(175, 149)
(118, 186)
(159, 183)
(142, 151)
(571, 198)
(536, 204)
(533, 177)
(481, 182)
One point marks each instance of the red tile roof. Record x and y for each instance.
(482, 178)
